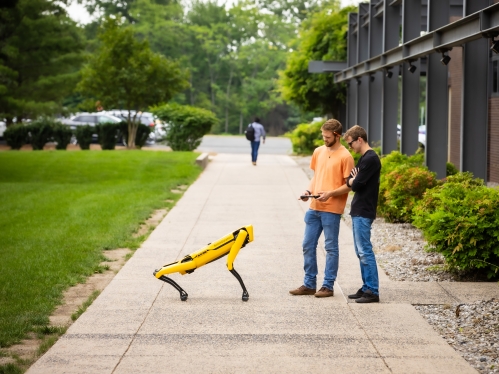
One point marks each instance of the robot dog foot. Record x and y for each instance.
(238, 277)
(183, 294)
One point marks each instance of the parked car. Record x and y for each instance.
(421, 134)
(89, 119)
(145, 118)
(3, 127)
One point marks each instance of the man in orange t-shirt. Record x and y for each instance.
(332, 164)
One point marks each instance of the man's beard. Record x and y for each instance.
(331, 144)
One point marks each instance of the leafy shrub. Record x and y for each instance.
(460, 220)
(107, 134)
(389, 163)
(450, 169)
(40, 132)
(403, 188)
(84, 136)
(188, 125)
(306, 137)
(16, 135)
(62, 135)
(143, 132)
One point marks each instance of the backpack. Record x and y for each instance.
(250, 132)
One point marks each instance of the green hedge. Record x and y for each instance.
(62, 135)
(16, 135)
(402, 189)
(306, 137)
(460, 220)
(41, 132)
(187, 125)
(84, 136)
(107, 134)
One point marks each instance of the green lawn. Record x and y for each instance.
(60, 209)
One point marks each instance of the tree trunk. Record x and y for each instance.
(132, 130)
(241, 123)
(227, 98)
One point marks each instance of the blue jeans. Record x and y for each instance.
(254, 150)
(316, 222)
(364, 250)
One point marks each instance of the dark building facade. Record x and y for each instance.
(390, 49)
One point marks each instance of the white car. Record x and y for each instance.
(89, 119)
(421, 134)
(3, 127)
(146, 118)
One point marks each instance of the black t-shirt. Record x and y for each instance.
(366, 186)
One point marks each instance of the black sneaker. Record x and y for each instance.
(356, 295)
(368, 297)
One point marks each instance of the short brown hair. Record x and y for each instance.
(332, 125)
(355, 133)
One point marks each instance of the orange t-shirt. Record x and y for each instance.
(330, 170)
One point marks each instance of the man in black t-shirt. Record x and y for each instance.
(364, 181)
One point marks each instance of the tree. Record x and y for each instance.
(125, 73)
(322, 37)
(40, 54)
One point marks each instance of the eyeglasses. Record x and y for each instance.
(350, 144)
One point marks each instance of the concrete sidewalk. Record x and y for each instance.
(139, 325)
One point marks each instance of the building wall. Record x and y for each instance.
(493, 139)
(455, 83)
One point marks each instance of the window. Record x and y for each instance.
(85, 119)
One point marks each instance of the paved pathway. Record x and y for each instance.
(139, 325)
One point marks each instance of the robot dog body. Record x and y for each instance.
(229, 245)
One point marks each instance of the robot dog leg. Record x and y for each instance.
(228, 245)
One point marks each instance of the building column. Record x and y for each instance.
(475, 100)
(411, 29)
(437, 96)
(376, 79)
(390, 87)
(351, 111)
(362, 55)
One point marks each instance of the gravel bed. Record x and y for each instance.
(471, 329)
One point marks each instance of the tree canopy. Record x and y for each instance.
(40, 50)
(321, 37)
(233, 56)
(125, 73)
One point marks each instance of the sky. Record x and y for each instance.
(79, 14)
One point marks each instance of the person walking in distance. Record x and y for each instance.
(332, 164)
(364, 181)
(259, 133)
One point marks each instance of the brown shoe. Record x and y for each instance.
(324, 292)
(303, 291)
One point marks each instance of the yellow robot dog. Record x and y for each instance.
(229, 245)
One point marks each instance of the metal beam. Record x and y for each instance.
(483, 23)
(326, 66)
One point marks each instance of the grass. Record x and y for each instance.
(85, 305)
(61, 209)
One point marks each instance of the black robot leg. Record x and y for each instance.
(245, 293)
(183, 294)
